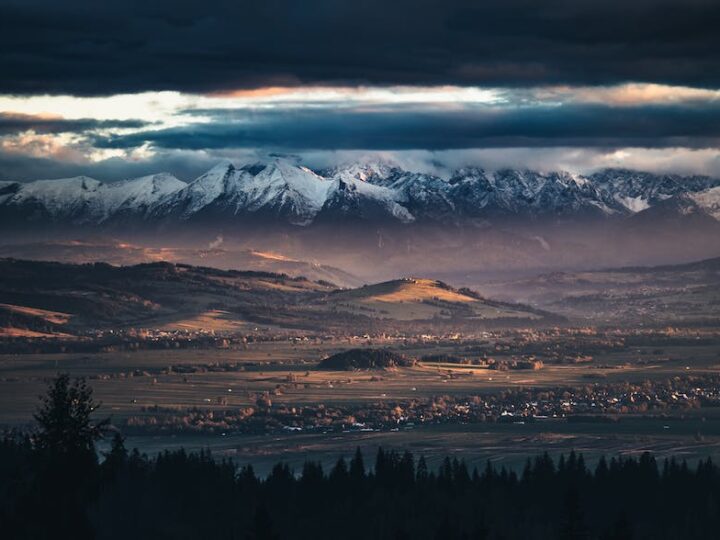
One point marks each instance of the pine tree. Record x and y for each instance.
(357, 466)
(64, 417)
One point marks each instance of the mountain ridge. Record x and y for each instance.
(280, 190)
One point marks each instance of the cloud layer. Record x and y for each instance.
(103, 48)
(436, 128)
(119, 89)
(589, 127)
(18, 122)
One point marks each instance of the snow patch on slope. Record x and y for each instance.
(62, 197)
(708, 200)
(634, 204)
(137, 194)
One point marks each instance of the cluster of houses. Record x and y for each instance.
(590, 402)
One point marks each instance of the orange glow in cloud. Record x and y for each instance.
(269, 91)
(30, 117)
(628, 94)
(57, 146)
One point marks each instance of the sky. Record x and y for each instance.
(121, 89)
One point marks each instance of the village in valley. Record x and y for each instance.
(213, 384)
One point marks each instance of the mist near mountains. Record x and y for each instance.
(376, 220)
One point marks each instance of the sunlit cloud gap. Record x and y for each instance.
(166, 106)
(549, 127)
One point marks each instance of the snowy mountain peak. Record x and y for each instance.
(138, 195)
(280, 189)
(368, 170)
(155, 182)
(58, 198)
(222, 167)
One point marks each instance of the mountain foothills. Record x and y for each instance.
(45, 299)
(122, 253)
(278, 190)
(683, 294)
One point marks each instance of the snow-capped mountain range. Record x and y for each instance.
(281, 190)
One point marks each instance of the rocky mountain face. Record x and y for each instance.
(278, 190)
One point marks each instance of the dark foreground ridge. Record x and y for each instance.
(53, 486)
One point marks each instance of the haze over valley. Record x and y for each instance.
(372, 220)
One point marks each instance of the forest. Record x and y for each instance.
(55, 484)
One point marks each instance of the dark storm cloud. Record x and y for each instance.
(406, 127)
(86, 48)
(23, 168)
(14, 123)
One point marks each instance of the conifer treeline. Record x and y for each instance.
(192, 495)
(52, 485)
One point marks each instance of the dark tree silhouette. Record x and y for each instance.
(357, 466)
(621, 529)
(262, 526)
(64, 418)
(573, 525)
(116, 458)
(53, 499)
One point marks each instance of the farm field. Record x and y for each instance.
(127, 381)
(138, 384)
